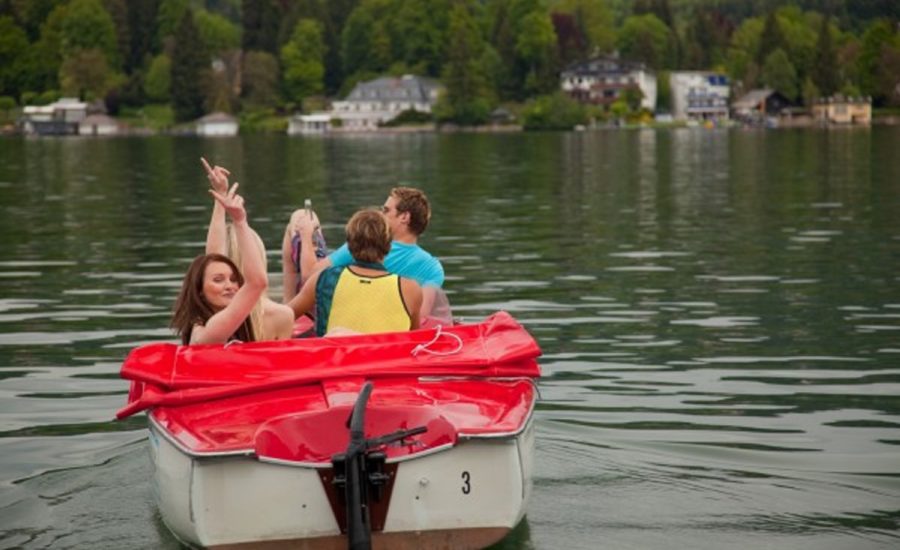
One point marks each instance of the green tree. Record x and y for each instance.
(523, 36)
(87, 26)
(302, 60)
(659, 8)
(771, 39)
(190, 64)
(707, 36)
(158, 80)
(536, 49)
(142, 19)
(260, 79)
(825, 72)
(741, 61)
(333, 20)
(365, 40)
(779, 74)
(595, 20)
(218, 34)
(879, 35)
(260, 21)
(887, 76)
(85, 74)
(7, 104)
(646, 39)
(468, 98)
(418, 34)
(848, 59)
(30, 15)
(633, 97)
(810, 92)
(118, 13)
(619, 108)
(13, 45)
(800, 31)
(663, 92)
(168, 18)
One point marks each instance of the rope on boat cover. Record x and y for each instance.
(438, 333)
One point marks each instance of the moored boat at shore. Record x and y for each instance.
(251, 443)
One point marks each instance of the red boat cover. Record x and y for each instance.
(260, 396)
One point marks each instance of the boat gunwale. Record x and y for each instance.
(251, 452)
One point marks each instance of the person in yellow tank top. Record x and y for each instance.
(362, 297)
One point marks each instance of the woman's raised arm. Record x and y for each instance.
(225, 322)
(216, 235)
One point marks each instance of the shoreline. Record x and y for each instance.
(778, 124)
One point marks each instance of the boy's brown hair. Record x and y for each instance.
(368, 236)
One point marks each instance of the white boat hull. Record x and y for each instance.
(466, 496)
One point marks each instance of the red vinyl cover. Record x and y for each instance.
(170, 375)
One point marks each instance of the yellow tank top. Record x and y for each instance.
(368, 304)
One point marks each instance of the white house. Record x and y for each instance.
(217, 124)
(98, 125)
(318, 123)
(843, 110)
(604, 80)
(58, 118)
(381, 100)
(699, 95)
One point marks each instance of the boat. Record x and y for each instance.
(419, 439)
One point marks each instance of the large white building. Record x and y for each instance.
(699, 95)
(604, 80)
(371, 104)
(58, 118)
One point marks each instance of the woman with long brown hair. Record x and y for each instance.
(216, 299)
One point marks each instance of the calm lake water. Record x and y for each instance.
(719, 312)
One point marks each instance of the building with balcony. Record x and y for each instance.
(605, 80)
(699, 95)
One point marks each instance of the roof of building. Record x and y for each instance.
(216, 117)
(70, 103)
(839, 98)
(604, 65)
(753, 98)
(405, 88)
(712, 77)
(314, 117)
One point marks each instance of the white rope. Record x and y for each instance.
(438, 333)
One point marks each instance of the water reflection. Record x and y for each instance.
(718, 311)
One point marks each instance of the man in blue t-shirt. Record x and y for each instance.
(408, 213)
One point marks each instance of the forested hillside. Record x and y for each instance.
(199, 56)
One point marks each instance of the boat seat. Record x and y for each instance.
(315, 436)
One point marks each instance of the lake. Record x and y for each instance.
(719, 312)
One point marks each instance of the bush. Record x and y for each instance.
(554, 112)
(48, 97)
(7, 104)
(262, 120)
(409, 117)
(152, 116)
